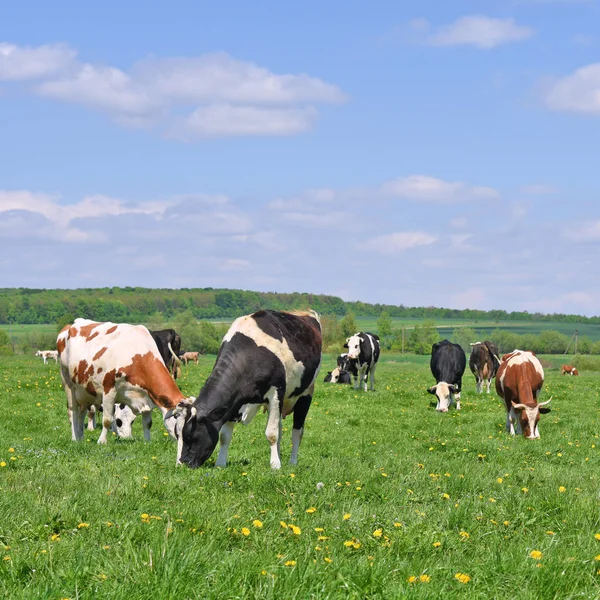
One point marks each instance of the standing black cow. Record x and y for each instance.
(448, 362)
(168, 342)
(363, 348)
(484, 363)
(268, 359)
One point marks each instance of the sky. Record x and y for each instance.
(420, 153)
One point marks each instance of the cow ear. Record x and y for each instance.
(346, 345)
(432, 389)
(545, 410)
(453, 388)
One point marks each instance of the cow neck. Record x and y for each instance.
(524, 390)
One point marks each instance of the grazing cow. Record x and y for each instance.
(46, 354)
(268, 359)
(338, 376)
(168, 343)
(568, 370)
(364, 349)
(107, 363)
(484, 363)
(448, 362)
(187, 356)
(518, 382)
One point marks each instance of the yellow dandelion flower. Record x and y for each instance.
(562, 489)
(55, 537)
(424, 578)
(290, 563)
(292, 475)
(464, 535)
(437, 544)
(347, 516)
(378, 533)
(535, 554)
(462, 578)
(412, 579)
(283, 524)
(597, 536)
(311, 510)
(327, 559)
(492, 499)
(263, 572)
(550, 532)
(384, 474)
(506, 523)
(597, 557)
(499, 480)
(6, 558)
(144, 516)
(11, 449)
(524, 490)
(245, 531)
(396, 524)
(322, 538)
(446, 496)
(105, 547)
(319, 529)
(295, 529)
(82, 525)
(2, 464)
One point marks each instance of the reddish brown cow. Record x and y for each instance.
(519, 381)
(568, 370)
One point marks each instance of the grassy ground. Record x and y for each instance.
(449, 500)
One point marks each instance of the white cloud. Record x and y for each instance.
(480, 31)
(423, 188)
(19, 63)
(538, 189)
(224, 120)
(395, 243)
(578, 92)
(213, 95)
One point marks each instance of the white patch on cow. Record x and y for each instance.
(518, 357)
(335, 375)
(353, 346)
(273, 431)
(248, 412)
(294, 370)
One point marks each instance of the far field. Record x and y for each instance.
(409, 502)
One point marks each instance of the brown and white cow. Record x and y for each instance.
(187, 356)
(46, 354)
(108, 363)
(519, 381)
(568, 370)
(484, 363)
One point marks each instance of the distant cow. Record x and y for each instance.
(484, 363)
(269, 359)
(568, 370)
(519, 381)
(168, 343)
(363, 347)
(46, 354)
(448, 362)
(108, 363)
(187, 356)
(338, 376)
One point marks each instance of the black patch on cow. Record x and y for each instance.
(448, 362)
(327, 377)
(367, 358)
(163, 338)
(482, 352)
(119, 422)
(122, 406)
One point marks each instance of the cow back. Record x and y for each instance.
(448, 362)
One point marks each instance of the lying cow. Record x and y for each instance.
(484, 363)
(268, 359)
(364, 349)
(338, 376)
(108, 363)
(46, 354)
(448, 362)
(518, 382)
(568, 370)
(168, 343)
(187, 356)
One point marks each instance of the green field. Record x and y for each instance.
(407, 493)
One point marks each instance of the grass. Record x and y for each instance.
(406, 493)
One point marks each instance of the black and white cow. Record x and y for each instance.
(484, 363)
(363, 348)
(168, 342)
(338, 376)
(269, 359)
(448, 362)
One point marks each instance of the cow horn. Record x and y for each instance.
(519, 406)
(544, 403)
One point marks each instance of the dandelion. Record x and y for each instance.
(11, 449)
(353, 543)
(289, 563)
(492, 499)
(292, 475)
(462, 578)
(597, 557)
(283, 524)
(263, 572)
(82, 525)
(597, 536)
(446, 496)
(311, 510)
(258, 524)
(322, 538)
(499, 480)
(437, 544)
(550, 532)
(384, 474)
(535, 554)
(562, 489)
(6, 558)
(347, 516)
(55, 537)
(524, 490)
(424, 578)
(397, 524)
(320, 485)
(245, 531)
(378, 533)
(327, 559)
(295, 529)
(412, 579)
(464, 535)
(2, 464)
(319, 529)
(506, 523)
(105, 547)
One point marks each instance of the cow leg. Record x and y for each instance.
(147, 424)
(225, 436)
(108, 414)
(478, 384)
(91, 417)
(488, 384)
(372, 378)
(300, 411)
(77, 418)
(457, 400)
(274, 426)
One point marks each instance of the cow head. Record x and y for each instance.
(353, 345)
(123, 421)
(443, 391)
(529, 417)
(196, 436)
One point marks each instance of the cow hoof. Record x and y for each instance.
(275, 464)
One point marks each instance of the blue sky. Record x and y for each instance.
(407, 153)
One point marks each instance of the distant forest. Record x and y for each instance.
(136, 304)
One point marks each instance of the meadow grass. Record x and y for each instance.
(413, 503)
